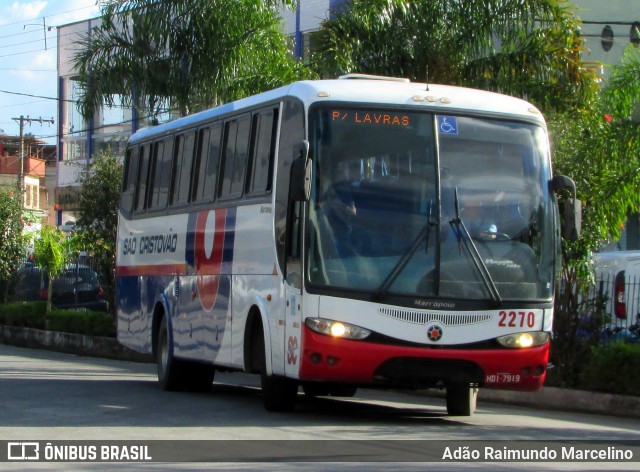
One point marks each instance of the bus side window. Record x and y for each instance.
(161, 174)
(294, 246)
(129, 180)
(143, 174)
(155, 173)
(263, 141)
(182, 166)
(292, 132)
(236, 147)
(207, 161)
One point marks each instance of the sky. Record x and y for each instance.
(28, 66)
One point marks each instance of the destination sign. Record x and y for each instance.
(371, 117)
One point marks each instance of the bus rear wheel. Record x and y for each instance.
(198, 377)
(170, 370)
(461, 399)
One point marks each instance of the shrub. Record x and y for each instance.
(34, 315)
(613, 368)
(24, 314)
(82, 322)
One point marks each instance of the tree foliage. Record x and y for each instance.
(527, 49)
(51, 254)
(190, 53)
(12, 241)
(600, 149)
(96, 227)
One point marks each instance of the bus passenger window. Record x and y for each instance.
(141, 195)
(262, 153)
(182, 168)
(206, 166)
(236, 146)
(161, 175)
(129, 181)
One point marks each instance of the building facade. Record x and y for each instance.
(33, 173)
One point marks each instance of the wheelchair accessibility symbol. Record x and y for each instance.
(448, 125)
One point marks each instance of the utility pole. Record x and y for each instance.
(21, 121)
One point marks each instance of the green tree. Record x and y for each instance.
(600, 148)
(191, 54)
(98, 214)
(12, 241)
(51, 254)
(527, 49)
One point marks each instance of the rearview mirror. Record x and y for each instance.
(300, 185)
(571, 208)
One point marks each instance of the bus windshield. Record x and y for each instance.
(408, 203)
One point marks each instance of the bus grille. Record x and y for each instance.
(447, 319)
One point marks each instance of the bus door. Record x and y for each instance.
(293, 292)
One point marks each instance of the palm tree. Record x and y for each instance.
(528, 49)
(186, 54)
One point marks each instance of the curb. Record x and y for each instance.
(548, 398)
(580, 401)
(79, 344)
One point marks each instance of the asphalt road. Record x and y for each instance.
(48, 396)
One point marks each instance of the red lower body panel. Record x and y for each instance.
(329, 359)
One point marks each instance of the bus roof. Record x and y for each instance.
(369, 90)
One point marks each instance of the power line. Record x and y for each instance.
(53, 37)
(18, 69)
(24, 52)
(26, 42)
(21, 22)
(37, 96)
(22, 104)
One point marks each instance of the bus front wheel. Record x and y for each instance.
(461, 399)
(278, 393)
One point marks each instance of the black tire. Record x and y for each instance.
(278, 393)
(198, 377)
(461, 399)
(314, 389)
(171, 372)
(344, 391)
(318, 389)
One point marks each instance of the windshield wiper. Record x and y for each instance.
(463, 235)
(406, 257)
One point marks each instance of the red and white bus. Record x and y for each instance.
(336, 234)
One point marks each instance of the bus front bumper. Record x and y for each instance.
(337, 360)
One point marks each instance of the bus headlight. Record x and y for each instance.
(336, 329)
(524, 340)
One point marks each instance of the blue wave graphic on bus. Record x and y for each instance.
(209, 254)
(209, 257)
